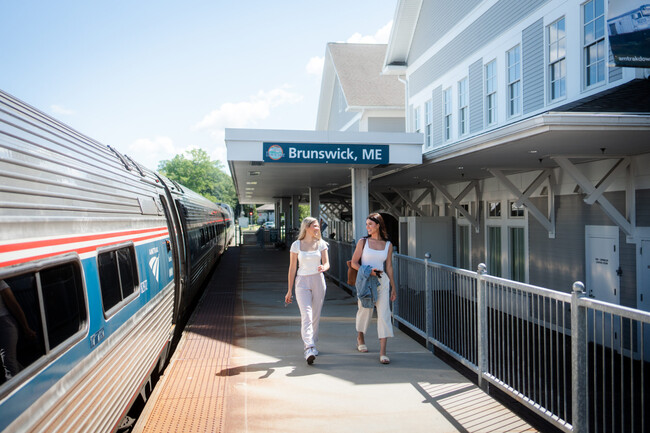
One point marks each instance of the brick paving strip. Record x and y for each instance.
(190, 396)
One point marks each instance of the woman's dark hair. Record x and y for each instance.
(377, 219)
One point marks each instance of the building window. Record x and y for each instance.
(491, 92)
(416, 120)
(516, 211)
(514, 81)
(446, 95)
(494, 209)
(118, 275)
(557, 59)
(463, 109)
(53, 304)
(517, 254)
(593, 13)
(428, 113)
(464, 247)
(494, 251)
(465, 206)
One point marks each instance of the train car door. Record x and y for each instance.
(178, 252)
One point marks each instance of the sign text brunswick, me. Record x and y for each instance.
(326, 153)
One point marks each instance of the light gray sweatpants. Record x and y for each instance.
(310, 294)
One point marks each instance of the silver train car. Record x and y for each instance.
(100, 263)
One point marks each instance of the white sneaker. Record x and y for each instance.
(309, 355)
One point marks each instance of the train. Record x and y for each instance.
(101, 261)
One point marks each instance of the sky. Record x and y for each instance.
(156, 78)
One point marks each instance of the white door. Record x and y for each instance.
(643, 277)
(601, 258)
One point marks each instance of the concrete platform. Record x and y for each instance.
(270, 388)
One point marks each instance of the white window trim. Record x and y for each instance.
(509, 83)
(547, 50)
(465, 106)
(428, 126)
(488, 96)
(447, 118)
(506, 223)
(583, 67)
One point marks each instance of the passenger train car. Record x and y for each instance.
(100, 260)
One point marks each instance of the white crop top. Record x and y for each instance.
(308, 261)
(374, 258)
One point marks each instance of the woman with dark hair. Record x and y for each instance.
(373, 258)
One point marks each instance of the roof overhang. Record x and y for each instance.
(401, 36)
(258, 180)
(528, 145)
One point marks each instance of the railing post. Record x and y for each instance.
(481, 332)
(578, 360)
(428, 296)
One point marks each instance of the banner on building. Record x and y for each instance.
(628, 23)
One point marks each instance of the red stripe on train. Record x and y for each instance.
(77, 250)
(73, 239)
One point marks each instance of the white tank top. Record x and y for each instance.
(374, 258)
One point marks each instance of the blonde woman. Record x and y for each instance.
(309, 259)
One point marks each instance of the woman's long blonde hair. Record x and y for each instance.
(303, 227)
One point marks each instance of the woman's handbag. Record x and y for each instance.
(352, 273)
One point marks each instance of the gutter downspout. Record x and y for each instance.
(407, 112)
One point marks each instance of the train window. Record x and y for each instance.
(118, 277)
(39, 311)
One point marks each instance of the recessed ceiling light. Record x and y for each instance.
(251, 183)
(532, 151)
(253, 173)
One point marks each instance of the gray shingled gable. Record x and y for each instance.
(358, 67)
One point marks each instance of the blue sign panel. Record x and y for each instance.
(321, 153)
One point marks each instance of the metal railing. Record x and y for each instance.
(339, 253)
(581, 364)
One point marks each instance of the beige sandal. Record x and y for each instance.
(362, 348)
(384, 359)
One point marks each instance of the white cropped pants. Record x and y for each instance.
(310, 294)
(364, 315)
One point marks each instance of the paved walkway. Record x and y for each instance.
(269, 387)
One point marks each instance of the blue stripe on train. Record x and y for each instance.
(155, 271)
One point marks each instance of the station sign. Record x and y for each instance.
(324, 153)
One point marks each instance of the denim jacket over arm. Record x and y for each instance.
(366, 286)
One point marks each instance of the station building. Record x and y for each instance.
(534, 142)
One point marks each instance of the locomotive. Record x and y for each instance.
(101, 260)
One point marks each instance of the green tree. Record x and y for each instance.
(303, 211)
(202, 175)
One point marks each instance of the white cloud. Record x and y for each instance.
(315, 65)
(383, 34)
(247, 113)
(380, 37)
(243, 114)
(149, 152)
(60, 109)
